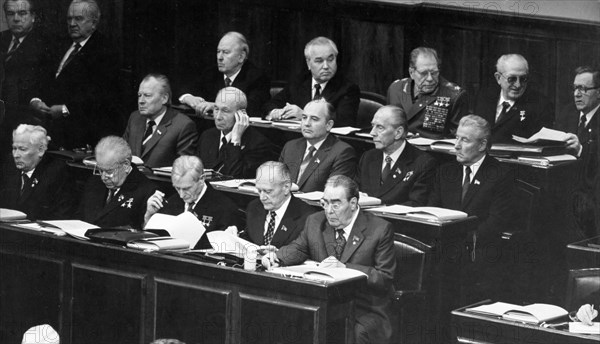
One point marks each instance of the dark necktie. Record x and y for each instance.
(581, 129)
(386, 169)
(317, 92)
(466, 182)
(24, 183)
(111, 193)
(71, 57)
(340, 243)
(12, 50)
(505, 106)
(222, 148)
(270, 229)
(227, 82)
(149, 130)
(306, 161)
(190, 207)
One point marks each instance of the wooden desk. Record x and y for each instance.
(92, 293)
(582, 256)
(479, 329)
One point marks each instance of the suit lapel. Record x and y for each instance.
(287, 222)
(321, 154)
(476, 182)
(375, 172)
(297, 154)
(329, 239)
(258, 221)
(355, 239)
(399, 170)
(161, 130)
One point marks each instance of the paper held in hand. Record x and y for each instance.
(184, 226)
(544, 134)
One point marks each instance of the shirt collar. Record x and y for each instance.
(199, 196)
(232, 78)
(158, 118)
(589, 115)
(348, 228)
(502, 100)
(475, 167)
(323, 85)
(281, 211)
(316, 145)
(82, 43)
(396, 154)
(227, 137)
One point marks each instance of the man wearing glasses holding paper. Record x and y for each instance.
(116, 194)
(514, 109)
(342, 236)
(433, 105)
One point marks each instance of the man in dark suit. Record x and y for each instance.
(155, 132)
(24, 58)
(432, 104)
(233, 147)
(514, 109)
(81, 96)
(117, 193)
(277, 217)
(322, 82)
(38, 185)
(342, 236)
(395, 171)
(215, 210)
(235, 70)
(582, 122)
(318, 155)
(478, 185)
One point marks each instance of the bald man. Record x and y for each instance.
(514, 109)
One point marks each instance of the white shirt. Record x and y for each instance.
(395, 156)
(232, 78)
(66, 56)
(227, 137)
(197, 199)
(589, 115)
(314, 82)
(157, 121)
(474, 168)
(278, 216)
(500, 102)
(12, 41)
(316, 145)
(348, 228)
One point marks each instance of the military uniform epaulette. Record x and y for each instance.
(451, 88)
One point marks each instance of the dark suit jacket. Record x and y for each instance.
(176, 135)
(238, 162)
(251, 80)
(332, 158)
(490, 196)
(409, 183)
(343, 94)
(47, 196)
(215, 210)
(370, 249)
(126, 208)
(289, 227)
(536, 109)
(89, 88)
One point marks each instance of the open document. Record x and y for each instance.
(313, 272)
(184, 226)
(426, 213)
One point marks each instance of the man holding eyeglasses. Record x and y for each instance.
(582, 122)
(432, 104)
(343, 236)
(116, 195)
(515, 109)
(215, 210)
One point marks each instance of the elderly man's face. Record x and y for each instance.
(19, 17)
(188, 188)
(112, 171)
(314, 123)
(322, 62)
(25, 154)
(151, 99)
(512, 78)
(273, 190)
(226, 105)
(81, 24)
(384, 133)
(470, 145)
(338, 209)
(588, 100)
(230, 55)
(425, 74)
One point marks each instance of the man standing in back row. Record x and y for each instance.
(433, 105)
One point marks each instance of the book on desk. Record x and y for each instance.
(536, 313)
(425, 213)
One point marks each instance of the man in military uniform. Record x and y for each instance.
(432, 104)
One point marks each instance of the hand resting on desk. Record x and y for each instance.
(586, 314)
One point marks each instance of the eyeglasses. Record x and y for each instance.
(106, 173)
(426, 73)
(583, 89)
(20, 13)
(523, 79)
(336, 205)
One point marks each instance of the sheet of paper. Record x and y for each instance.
(11, 215)
(75, 228)
(579, 327)
(344, 130)
(233, 183)
(223, 242)
(183, 226)
(420, 141)
(393, 209)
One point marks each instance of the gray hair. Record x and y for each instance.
(276, 168)
(330, 114)
(165, 85)
(186, 164)
(398, 116)
(243, 42)
(425, 51)
(319, 41)
(115, 145)
(588, 69)
(240, 97)
(480, 124)
(346, 183)
(38, 136)
(502, 60)
(94, 12)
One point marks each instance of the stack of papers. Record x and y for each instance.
(243, 184)
(11, 215)
(223, 242)
(426, 213)
(184, 226)
(363, 200)
(533, 314)
(578, 327)
(344, 130)
(314, 273)
(74, 228)
(544, 135)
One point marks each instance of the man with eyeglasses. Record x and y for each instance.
(36, 184)
(481, 186)
(343, 236)
(116, 195)
(215, 210)
(432, 104)
(24, 52)
(582, 122)
(514, 109)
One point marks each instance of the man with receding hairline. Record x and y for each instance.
(323, 81)
(514, 109)
(233, 69)
(156, 132)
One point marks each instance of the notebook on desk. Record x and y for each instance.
(532, 314)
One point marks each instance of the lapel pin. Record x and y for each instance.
(121, 198)
(355, 240)
(317, 161)
(476, 182)
(522, 114)
(34, 182)
(284, 228)
(158, 131)
(408, 175)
